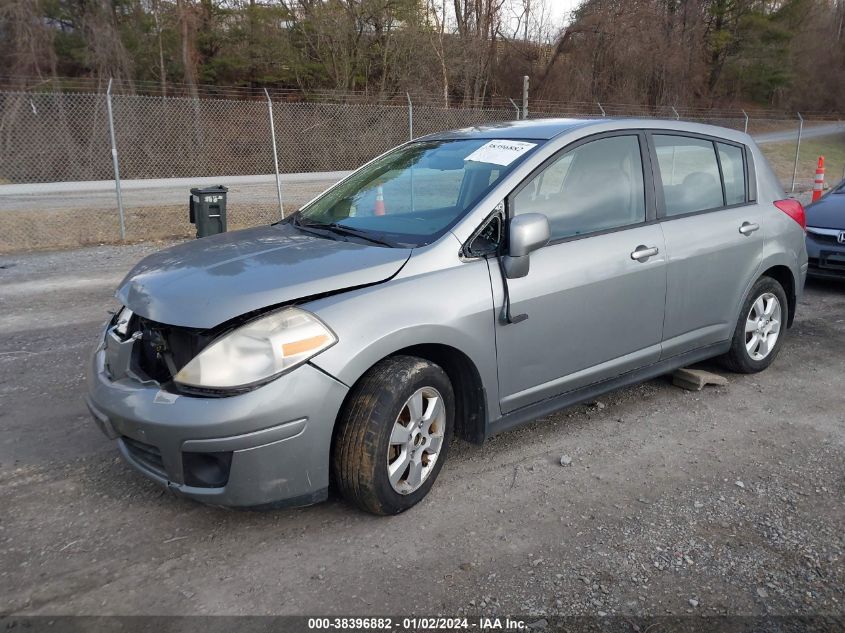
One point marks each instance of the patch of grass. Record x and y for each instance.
(782, 157)
(70, 228)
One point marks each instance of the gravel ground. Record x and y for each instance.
(726, 501)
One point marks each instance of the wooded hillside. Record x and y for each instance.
(785, 54)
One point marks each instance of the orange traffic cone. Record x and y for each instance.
(818, 183)
(379, 209)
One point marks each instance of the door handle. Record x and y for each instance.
(642, 253)
(748, 228)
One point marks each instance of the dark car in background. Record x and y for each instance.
(826, 234)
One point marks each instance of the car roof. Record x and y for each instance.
(546, 129)
(535, 129)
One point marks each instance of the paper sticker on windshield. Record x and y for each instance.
(500, 152)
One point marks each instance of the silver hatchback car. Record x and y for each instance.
(459, 285)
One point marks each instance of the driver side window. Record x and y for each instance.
(593, 187)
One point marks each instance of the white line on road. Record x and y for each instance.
(56, 284)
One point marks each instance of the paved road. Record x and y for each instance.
(727, 501)
(162, 192)
(810, 131)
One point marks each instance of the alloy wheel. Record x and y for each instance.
(416, 440)
(762, 326)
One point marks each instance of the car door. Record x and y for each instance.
(594, 295)
(714, 244)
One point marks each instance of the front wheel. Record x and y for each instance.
(759, 331)
(394, 434)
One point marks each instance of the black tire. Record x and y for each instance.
(362, 441)
(738, 359)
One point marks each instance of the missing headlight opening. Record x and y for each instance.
(163, 349)
(226, 360)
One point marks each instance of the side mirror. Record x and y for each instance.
(526, 233)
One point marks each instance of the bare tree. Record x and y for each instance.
(436, 18)
(478, 24)
(107, 56)
(187, 30)
(27, 46)
(156, 6)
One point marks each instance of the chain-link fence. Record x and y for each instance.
(62, 137)
(57, 173)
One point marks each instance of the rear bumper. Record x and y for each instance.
(273, 442)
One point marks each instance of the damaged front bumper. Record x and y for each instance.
(268, 446)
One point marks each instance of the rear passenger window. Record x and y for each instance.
(594, 187)
(733, 173)
(689, 172)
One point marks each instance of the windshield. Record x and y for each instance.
(414, 194)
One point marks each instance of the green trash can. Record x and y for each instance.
(208, 210)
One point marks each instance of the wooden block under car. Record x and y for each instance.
(695, 379)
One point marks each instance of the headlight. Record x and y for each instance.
(258, 350)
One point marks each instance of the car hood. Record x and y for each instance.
(206, 282)
(827, 213)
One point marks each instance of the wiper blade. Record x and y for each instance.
(340, 229)
(312, 229)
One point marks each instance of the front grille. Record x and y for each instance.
(824, 239)
(146, 454)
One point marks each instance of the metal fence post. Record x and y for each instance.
(797, 150)
(275, 154)
(115, 164)
(603, 113)
(746, 121)
(516, 107)
(525, 96)
(199, 140)
(677, 116)
(411, 137)
(410, 118)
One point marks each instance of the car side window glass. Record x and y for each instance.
(689, 174)
(593, 187)
(733, 172)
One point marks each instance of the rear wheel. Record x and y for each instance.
(759, 331)
(394, 435)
